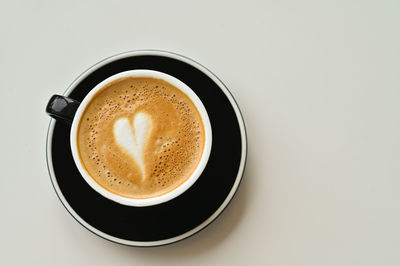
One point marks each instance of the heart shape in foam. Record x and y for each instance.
(132, 137)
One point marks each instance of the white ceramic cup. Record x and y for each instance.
(147, 201)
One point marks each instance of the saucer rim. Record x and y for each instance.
(228, 198)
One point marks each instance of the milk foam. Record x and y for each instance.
(133, 141)
(140, 137)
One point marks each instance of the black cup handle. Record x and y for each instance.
(62, 108)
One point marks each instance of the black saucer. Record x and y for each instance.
(182, 216)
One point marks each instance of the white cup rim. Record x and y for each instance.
(171, 194)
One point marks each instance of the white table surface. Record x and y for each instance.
(318, 83)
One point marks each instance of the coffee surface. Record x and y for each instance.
(140, 137)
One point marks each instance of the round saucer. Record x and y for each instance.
(178, 218)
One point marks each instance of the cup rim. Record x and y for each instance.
(135, 202)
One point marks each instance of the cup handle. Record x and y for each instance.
(62, 108)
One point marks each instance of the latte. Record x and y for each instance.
(140, 137)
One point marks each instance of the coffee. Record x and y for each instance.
(140, 137)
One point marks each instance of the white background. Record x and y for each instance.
(318, 83)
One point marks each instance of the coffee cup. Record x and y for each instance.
(139, 138)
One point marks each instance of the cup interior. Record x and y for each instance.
(171, 194)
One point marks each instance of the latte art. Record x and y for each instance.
(140, 137)
(133, 141)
